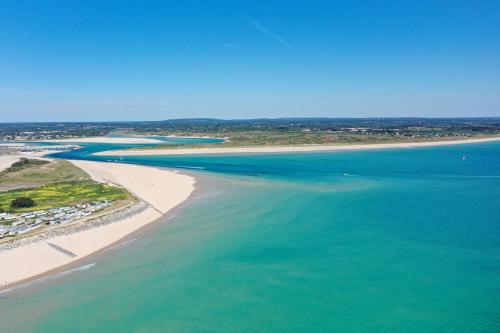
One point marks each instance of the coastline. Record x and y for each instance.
(161, 190)
(287, 149)
(103, 139)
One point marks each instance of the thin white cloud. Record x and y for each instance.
(260, 27)
(229, 45)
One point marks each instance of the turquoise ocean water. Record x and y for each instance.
(404, 240)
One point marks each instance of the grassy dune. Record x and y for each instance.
(24, 163)
(53, 184)
(36, 174)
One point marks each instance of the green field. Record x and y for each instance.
(53, 184)
(62, 194)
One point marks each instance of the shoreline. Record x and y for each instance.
(151, 185)
(152, 139)
(287, 149)
(103, 139)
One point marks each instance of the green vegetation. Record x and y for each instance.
(62, 194)
(24, 163)
(294, 138)
(22, 202)
(51, 184)
(320, 131)
(36, 174)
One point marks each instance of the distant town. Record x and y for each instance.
(265, 131)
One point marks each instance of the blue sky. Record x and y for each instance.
(138, 60)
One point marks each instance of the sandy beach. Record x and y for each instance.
(117, 140)
(7, 160)
(161, 189)
(286, 149)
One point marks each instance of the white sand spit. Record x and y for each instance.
(162, 189)
(285, 149)
(103, 139)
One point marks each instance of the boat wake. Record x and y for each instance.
(191, 167)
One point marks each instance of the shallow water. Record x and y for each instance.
(404, 240)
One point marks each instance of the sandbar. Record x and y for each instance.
(285, 149)
(104, 139)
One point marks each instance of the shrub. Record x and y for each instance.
(22, 202)
(24, 163)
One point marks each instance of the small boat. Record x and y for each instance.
(464, 157)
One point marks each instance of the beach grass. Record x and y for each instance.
(24, 163)
(37, 174)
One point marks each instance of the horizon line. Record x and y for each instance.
(248, 119)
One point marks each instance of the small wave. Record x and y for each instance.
(171, 216)
(73, 270)
(120, 244)
(50, 277)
